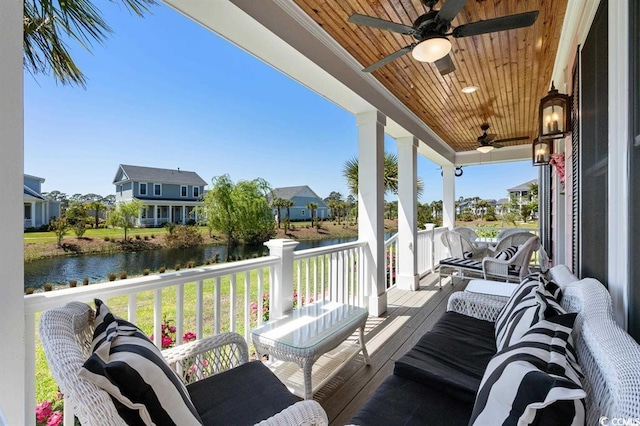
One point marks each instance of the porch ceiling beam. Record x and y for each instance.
(282, 35)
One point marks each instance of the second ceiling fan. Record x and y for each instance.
(488, 141)
(432, 28)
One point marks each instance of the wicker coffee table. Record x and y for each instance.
(314, 334)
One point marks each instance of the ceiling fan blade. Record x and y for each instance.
(450, 9)
(370, 21)
(387, 59)
(517, 138)
(445, 65)
(496, 145)
(490, 137)
(498, 24)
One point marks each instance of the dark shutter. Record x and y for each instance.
(575, 167)
(594, 150)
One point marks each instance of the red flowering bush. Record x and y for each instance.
(49, 413)
(169, 334)
(557, 160)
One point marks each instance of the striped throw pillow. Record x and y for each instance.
(534, 381)
(521, 298)
(127, 365)
(507, 253)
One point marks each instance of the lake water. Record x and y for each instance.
(97, 267)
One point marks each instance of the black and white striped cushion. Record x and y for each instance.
(523, 294)
(534, 381)
(126, 364)
(507, 253)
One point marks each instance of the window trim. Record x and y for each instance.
(159, 185)
(186, 191)
(193, 191)
(146, 188)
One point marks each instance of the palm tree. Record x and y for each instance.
(312, 208)
(47, 22)
(288, 204)
(279, 203)
(390, 174)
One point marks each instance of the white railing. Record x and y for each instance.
(391, 261)
(490, 235)
(430, 249)
(333, 273)
(29, 223)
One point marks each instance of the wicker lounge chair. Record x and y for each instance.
(66, 335)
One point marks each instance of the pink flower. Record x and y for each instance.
(189, 336)
(557, 160)
(43, 410)
(55, 419)
(172, 329)
(166, 342)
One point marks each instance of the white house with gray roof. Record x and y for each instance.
(38, 209)
(168, 195)
(301, 196)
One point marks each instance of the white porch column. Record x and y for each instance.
(195, 214)
(618, 172)
(408, 278)
(170, 209)
(449, 196)
(33, 213)
(13, 389)
(184, 213)
(45, 205)
(371, 205)
(140, 215)
(281, 287)
(155, 215)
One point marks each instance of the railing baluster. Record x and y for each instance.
(179, 313)
(247, 291)
(260, 303)
(315, 278)
(199, 307)
(307, 279)
(30, 365)
(157, 317)
(216, 304)
(232, 303)
(132, 308)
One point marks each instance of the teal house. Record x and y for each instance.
(301, 196)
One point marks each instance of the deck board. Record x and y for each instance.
(409, 315)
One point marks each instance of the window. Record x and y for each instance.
(183, 190)
(27, 211)
(143, 188)
(196, 191)
(157, 189)
(120, 189)
(302, 211)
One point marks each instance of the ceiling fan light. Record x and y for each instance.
(484, 148)
(469, 89)
(431, 49)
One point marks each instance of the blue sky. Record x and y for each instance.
(165, 92)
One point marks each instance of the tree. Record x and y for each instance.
(279, 203)
(48, 23)
(312, 209)
(124, 215)
(60, 227)
(95, 207)
(288, 204)
(390, 175)
(60, 197)
(240, 211)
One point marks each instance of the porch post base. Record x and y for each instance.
(408, 282)
(378, 304)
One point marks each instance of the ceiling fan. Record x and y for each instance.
(488, 141)
(431, 30)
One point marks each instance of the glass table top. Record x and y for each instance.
(310, 325)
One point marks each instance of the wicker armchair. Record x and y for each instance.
(460, 246)
(514, 269)
(511, 239)
(66, 334)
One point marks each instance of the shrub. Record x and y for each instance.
(162, 269)
(85, 281)
(146, 238)
(183, 237)
(107, 239)
(216, 257)
(153, 236)
(50, 412)
(79, 228)
(73, 283)
(138, 237)
(112, 276)
(123, 275)
(208, 261)
(168, 332)
(29, 290)
(178, 266)
(48, 286)
(146, 272)
(191, 264)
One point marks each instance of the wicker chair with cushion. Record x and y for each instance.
(512, 263)
(460, 246)
(221, 385)
(511, 239)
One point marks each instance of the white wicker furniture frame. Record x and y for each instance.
(66, 335)
(303, 354)
(493, 268)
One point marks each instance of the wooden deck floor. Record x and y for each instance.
(410, 314)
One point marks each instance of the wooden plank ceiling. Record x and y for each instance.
(511, 68)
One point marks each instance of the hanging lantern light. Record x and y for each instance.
(541, 151)
(554, 115)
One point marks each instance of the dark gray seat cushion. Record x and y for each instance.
(452, 357)
(399, 401)
(244, 395)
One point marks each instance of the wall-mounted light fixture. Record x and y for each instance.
(555, 115)
(541, 151)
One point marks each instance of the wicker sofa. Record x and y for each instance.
(436, 382)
